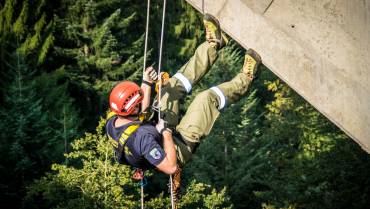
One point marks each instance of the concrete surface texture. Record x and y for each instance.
(320, 48)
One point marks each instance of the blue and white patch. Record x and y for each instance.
(155, 153)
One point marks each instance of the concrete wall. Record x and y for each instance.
(320, 48)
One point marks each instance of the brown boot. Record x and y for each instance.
(251, 63)
(213, 31)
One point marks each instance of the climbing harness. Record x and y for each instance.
(120, 145)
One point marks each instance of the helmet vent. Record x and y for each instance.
(131, 102)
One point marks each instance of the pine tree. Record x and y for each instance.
(311, 158)
(296, 161)
(26, 129)
(62, 114)
(97, 43)
(183, 35)
(30, 23)
(33, 137)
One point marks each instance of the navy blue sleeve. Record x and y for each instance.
(151, 150)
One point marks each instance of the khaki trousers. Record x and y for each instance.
(205, 108)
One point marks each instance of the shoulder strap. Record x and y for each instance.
(127, 133)
(110, 114)
(120, 146)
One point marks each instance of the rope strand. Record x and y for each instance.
(172, 198)
(142, 194)
(160, 60)
(146, 35)
(160, 87)
(144, 67)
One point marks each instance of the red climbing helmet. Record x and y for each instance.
(124, 97)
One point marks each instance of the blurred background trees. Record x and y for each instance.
(59, 59)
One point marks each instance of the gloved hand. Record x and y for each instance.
(150, 75)
(162, 126)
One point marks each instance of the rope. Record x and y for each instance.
(142, 194)
(172, 198)
(143, 181)
(146, 34)
(160, 88)
(160, 60)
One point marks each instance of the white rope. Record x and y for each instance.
(160, 61)
(144, 67)
(146, 34)
(172, 198)
(160, 87)
(142, 194)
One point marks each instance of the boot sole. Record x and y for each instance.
(254, 55)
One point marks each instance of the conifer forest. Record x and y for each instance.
(61, 58)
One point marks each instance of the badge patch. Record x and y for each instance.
(155, 153)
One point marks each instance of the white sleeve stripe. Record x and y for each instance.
(221, 96)
(185, 81)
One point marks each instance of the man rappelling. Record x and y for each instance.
(169, 143)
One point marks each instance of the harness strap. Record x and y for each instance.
(124, 136)
(120, 146)
(127, 133)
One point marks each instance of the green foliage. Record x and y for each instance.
(29, 23)
(97, 41)
(274, 150)
(21, 115)
(99, 183)
(34, 136)
(222, 157)
(184, 33)
(93, 180)
(62, 114)
(199, 195)
(270, 150)
(304, 168)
